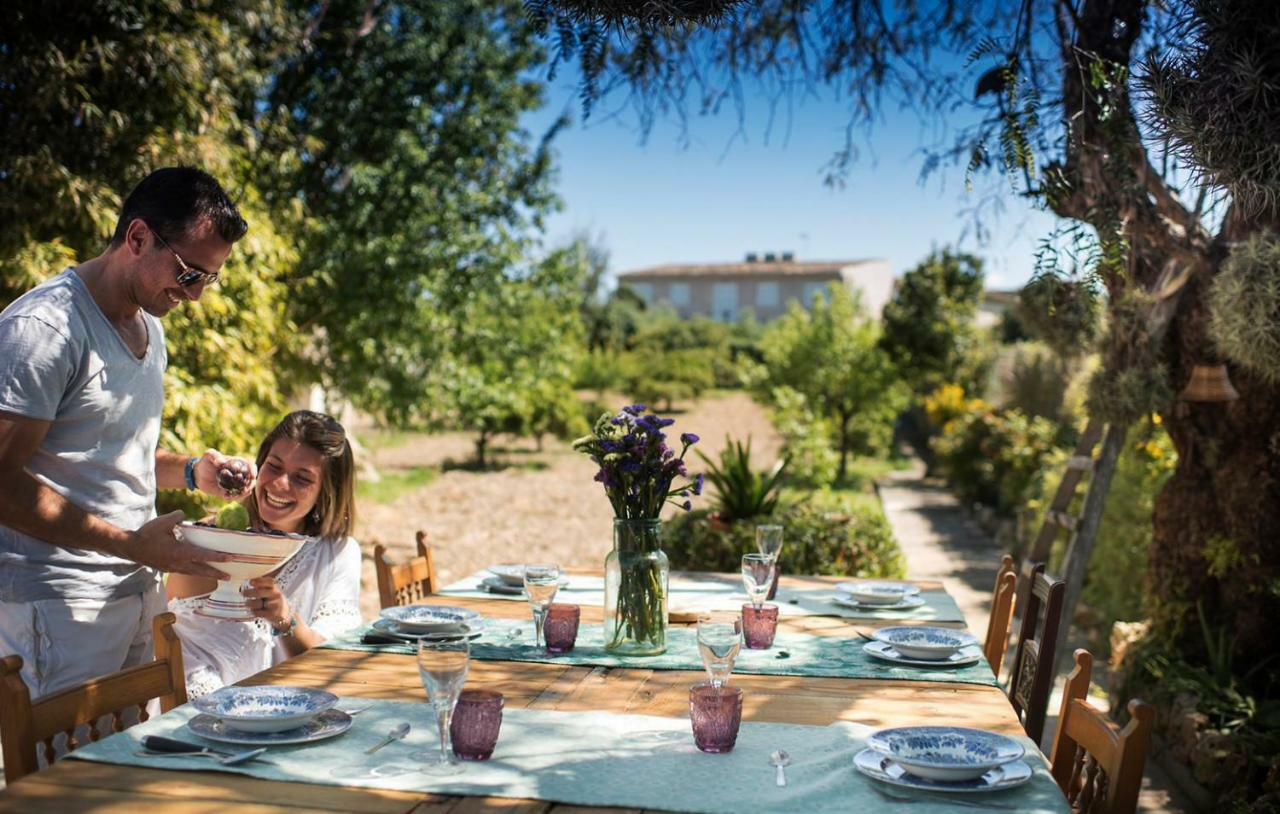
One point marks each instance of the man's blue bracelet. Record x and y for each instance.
(191, 473)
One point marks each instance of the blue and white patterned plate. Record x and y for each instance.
(881, 767)
(963, 657)
(327, 724)
(946, 753)
(877, 593)
(390, 628)
(907, 603)
(924, 642)
(430, 618)
(265, 709)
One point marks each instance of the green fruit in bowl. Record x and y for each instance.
(233, 516)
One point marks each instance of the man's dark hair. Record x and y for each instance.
(173, 200)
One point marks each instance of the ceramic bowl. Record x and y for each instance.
(254, 555)
(877, 593)
(431, 618)
(927, 643)
(946, 753)
(510, 574)
(265, 709)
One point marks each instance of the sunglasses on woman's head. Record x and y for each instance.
(187, 274)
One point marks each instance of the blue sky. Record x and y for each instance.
(725, 192)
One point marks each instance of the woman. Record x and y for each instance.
(305, 485)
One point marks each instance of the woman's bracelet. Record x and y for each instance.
(293, 625)
(191, 474)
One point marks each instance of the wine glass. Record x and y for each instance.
(443, 666)
(540, 584)
(719, 640)
(757, 576)
(769, 540)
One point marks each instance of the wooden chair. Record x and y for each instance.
(1097, 764)
(1001, 619)
(409, 582)
(1031, 678)
(26, 727)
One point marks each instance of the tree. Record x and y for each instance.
(831, 355)
(398, 126)
(929, 323)
(1057, 115)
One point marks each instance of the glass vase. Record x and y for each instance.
(635, 590)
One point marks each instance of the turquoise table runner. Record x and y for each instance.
(697, 594)
(594, 759)
(793, 654)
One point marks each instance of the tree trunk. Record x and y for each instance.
(1217, 520)
(482, 443)
(844, 450)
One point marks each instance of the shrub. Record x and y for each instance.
(741, 492)
(858, 543)
(996, 457)
(811, 460)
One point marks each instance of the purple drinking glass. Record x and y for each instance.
(716, 714)
(560, 629)
(477, 717)
(759, 625)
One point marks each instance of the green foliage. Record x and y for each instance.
(233, 516)
(1062, 312)
(830, 354)
(1244, 306)
(653, 377)
(1133, 380)
(996, 457)
(806, 439)
(857, 542)
(929, 322)
(392, 485)
(741, 492)
(1035, 380)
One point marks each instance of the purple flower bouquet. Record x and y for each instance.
(639, 473)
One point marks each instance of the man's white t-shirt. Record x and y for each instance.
(61, 361)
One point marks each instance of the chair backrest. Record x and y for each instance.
(26, 727)
(1001, 619)
(1031, 678)
(1097, 764)
(406, 583)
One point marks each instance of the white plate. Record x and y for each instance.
(390, 628)
(963, 657)
(877, 593)
(946, 754)
(430, 618)
(327, 724)
(880, 766)
(846, 601)
(510, 574)
(494, 585)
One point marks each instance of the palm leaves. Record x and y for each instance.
(742, 492)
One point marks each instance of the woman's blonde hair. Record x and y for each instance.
(333, 516)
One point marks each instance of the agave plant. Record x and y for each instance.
(742, 492)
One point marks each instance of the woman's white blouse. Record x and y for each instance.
(322, 585)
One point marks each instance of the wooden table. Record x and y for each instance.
(77, 786)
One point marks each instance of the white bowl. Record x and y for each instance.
(265, 709)
(432, 618)
(927, 643)
(946, 753)
(510, 574)
(255, 554)
(877, 593)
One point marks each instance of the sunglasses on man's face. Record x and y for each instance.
(187, 274)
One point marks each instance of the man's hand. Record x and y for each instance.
(223, 476)
(156, 544)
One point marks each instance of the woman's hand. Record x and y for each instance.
(266, 601)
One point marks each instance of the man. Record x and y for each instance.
(82, 361)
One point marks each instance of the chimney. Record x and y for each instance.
(770, 257)
(752, 257)
(788, 257)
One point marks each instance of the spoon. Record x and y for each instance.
(779, 760)
(394, 735)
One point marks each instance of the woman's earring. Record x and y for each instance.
(315, 515)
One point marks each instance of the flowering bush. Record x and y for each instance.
(637, 467)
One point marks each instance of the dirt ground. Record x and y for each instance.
(541, 506)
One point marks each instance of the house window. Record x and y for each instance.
(642, 290)
(814, 290)
(724, 302)
(678, 293)
(767, 295)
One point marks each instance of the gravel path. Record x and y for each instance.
(544, 505)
